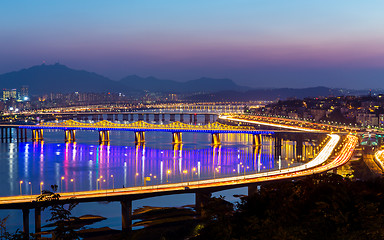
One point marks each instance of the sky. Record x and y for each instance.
(257, 43)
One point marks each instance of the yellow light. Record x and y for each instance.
(112, 176)
(169, 171)
(62, 178)
(71, 179)
(21, 182)
(42, 183)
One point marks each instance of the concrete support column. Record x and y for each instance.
(253, 189)
(38, 221)
(195, 118)
(278, 141)
(256, 139)
(125, 117)
(156, 117)
(2, 134)
(216, 139)
(70, 135)
(190, 118)
(201, 200)
(131, 118)
(103, 137)
(147, 117)
(172, 117)
(207, 118)
(21, 134)
(139, 137)
(140, 117)
(37, 134)
(163, 117)
(299, 148)
(26, 221)
(181, 117)
(126, 215)
(25, 134)
(177, 137)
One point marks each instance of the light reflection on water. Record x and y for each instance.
(90, 166)
(86, 161)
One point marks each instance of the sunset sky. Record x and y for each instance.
(258, 43)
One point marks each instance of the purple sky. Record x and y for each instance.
(254, 42)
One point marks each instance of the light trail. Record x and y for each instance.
(268, 124)
(379, 156)
(310, 168)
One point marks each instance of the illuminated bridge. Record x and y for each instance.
(176, 128)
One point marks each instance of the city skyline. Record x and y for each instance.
(255, 43)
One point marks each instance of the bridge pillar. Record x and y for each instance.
(21, 134)
(156, 117)
(126, 215)
(70, 136)
(139, 137)
(17, 134)
(147, 117)
(131, 117)
(195, 118)
(2, 134)
(163, 117)
(103, 136)
(125, 117)
(25, 134)
(181, 117)
(253, 189)
(177, 137)
(26, 221)
(202, 198)
(172, 117)
(110, 117)
(256, 139)
(140, 117)
(37, 134)
(6, 134)
(216, 139)
(278, 141)
(207, 118)
(190, 118)
(299, 147)
(38, 221)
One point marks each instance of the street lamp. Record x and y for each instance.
(113, 183)
(73, 184)
(41, 187)
(29, 183)
(168, 172)
(61, 184)
(184, 172)
(21, 193)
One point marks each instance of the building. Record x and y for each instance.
(24, 93)
(9, 94)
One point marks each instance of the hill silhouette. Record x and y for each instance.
(206, 85)
(59, 78)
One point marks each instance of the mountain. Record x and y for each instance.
(267, 94)
(59, 78)
(206, 85)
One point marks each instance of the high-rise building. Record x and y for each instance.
(24, 94)
(9, 94)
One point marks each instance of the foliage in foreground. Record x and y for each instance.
(318, 207)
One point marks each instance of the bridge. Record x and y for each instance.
(202, 189)
(139, 128)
